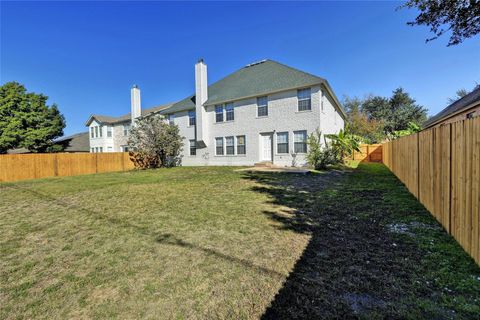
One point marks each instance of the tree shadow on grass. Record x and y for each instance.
(352, 267)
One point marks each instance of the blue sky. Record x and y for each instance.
(86, 55)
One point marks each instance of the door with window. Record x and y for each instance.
(266, 147)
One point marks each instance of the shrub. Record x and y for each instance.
(155, 143)
(319, 156)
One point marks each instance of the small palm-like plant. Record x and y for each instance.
(344, 143)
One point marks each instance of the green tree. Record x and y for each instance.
(411, 129)
(26, 121)
(462, 17)
(396, 112)
(155, 143)
(371, 130)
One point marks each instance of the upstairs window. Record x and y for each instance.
(300, 141)
(219, 146)
(304, 99)
(218, 113)
(191, 118)
(230, 145)
(100, 129)
(241, 145)
(282, 142)
(96, 132)
(262, 106)
(92, 132)
(229, 110)
(126, 129)
(109, 131)
(193, 147)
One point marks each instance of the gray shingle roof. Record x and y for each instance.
(257, 79)
(78, 142)
(126, 117)
(455, 107)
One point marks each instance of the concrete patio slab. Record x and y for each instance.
(277, 170)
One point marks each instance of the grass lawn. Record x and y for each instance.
(216, 243)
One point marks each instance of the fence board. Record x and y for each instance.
(368, 153)
(441, 167)
(14, 167)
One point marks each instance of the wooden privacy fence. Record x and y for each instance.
(14, 167)
(441, 167)
(368, 153)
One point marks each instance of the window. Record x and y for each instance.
(282, 142)
(109, 149)
(101, 149)
(241, 145)
(100, 129)
(92, 150)
(193, 147)
(219, 146)
(304, 100)
(229, 110)
(92, 132)
(218, 114)
(230, 145)
(96, 132)
(191, 118)
(262, 106)
(109, 131)
(124, 148)
(300, 141)
(126, 129)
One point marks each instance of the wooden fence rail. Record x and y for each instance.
(14, 167)
(441, 168)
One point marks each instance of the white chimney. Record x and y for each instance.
(136, 103)
(201, 96)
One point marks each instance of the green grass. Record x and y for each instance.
(216, 243)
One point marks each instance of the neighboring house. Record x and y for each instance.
(78, 142)
(110, 134)
(263, 112)
(464, 108)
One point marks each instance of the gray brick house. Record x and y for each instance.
(262, 112)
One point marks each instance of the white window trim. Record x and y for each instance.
(306, 141)
(266, 105)
(223, 146)
(298, 100)
(244, 145)
(288, 143)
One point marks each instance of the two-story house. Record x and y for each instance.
(110, 134)
(263, 112)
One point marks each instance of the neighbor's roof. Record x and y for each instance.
(255, 79)
(78, 142)
(460, 105)
(126, 117)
